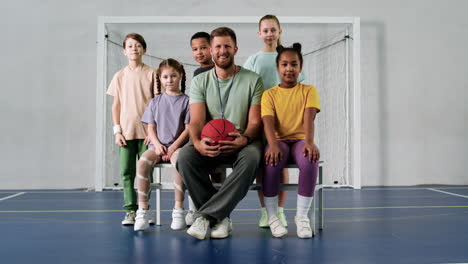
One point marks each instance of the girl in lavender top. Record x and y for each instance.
(167, 116)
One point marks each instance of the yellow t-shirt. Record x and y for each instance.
(135, 89)
(287, 106)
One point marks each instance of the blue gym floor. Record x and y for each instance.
(374, 225)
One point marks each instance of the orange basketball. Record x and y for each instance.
(218, 129)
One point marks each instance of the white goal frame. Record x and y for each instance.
(101, 85)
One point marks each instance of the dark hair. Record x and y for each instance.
(296, 48)
(272, 17)
(201, 34)
(222, 32)
(136, 37)
(173, 64)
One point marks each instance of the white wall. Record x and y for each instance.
(414, 81)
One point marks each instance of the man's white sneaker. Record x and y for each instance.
(178, 219)
(276, 227)
(189, 217)
(199, 228)
(129, 218)
(141, 220)
(303, 226)
(222, 229)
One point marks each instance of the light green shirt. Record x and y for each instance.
(246, 90)
(264, 63)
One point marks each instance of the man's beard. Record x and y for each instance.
(227, 64)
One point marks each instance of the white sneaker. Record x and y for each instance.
(178, 219)
(141, 220)
(276, 227)
(189, 217)
(199, 228)
(222, 229)
(303, 226)
(129, 218)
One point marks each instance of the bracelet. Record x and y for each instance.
(117, 129)
(249, 140)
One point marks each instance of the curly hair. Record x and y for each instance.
(296, 48)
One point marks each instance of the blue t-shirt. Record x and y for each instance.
(264, 63)
(170, 113)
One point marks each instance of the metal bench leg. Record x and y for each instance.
(313, 218)
(320, 200)
(158, 197)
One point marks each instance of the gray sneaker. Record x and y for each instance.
(129, 218)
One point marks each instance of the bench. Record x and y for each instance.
(316, 210)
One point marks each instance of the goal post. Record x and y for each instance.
(331, 50)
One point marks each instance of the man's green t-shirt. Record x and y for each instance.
(247, 89)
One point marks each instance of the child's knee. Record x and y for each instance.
(144, 164)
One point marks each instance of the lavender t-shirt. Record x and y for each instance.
(170, 113)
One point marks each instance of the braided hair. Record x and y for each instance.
(296, 48)
(176, 66)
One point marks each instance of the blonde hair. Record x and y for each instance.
(271, 17)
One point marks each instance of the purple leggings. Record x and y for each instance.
(291, 150)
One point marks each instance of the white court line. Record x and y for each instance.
(11, 196)
(410, 188)
(454, 194)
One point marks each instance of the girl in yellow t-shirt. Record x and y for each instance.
(288, 114)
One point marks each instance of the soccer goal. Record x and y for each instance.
(331, 50)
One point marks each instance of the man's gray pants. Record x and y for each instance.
(195, 170)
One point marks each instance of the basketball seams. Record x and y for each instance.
(219, 131)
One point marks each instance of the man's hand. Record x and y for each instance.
(229, 147)
(120, 140)
(205, 149)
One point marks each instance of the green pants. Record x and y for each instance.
(129, 156)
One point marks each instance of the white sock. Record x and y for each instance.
(271, 205)
(280, 209)
(191, 205)
(303, 205)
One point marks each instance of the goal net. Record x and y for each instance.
(328, 65)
